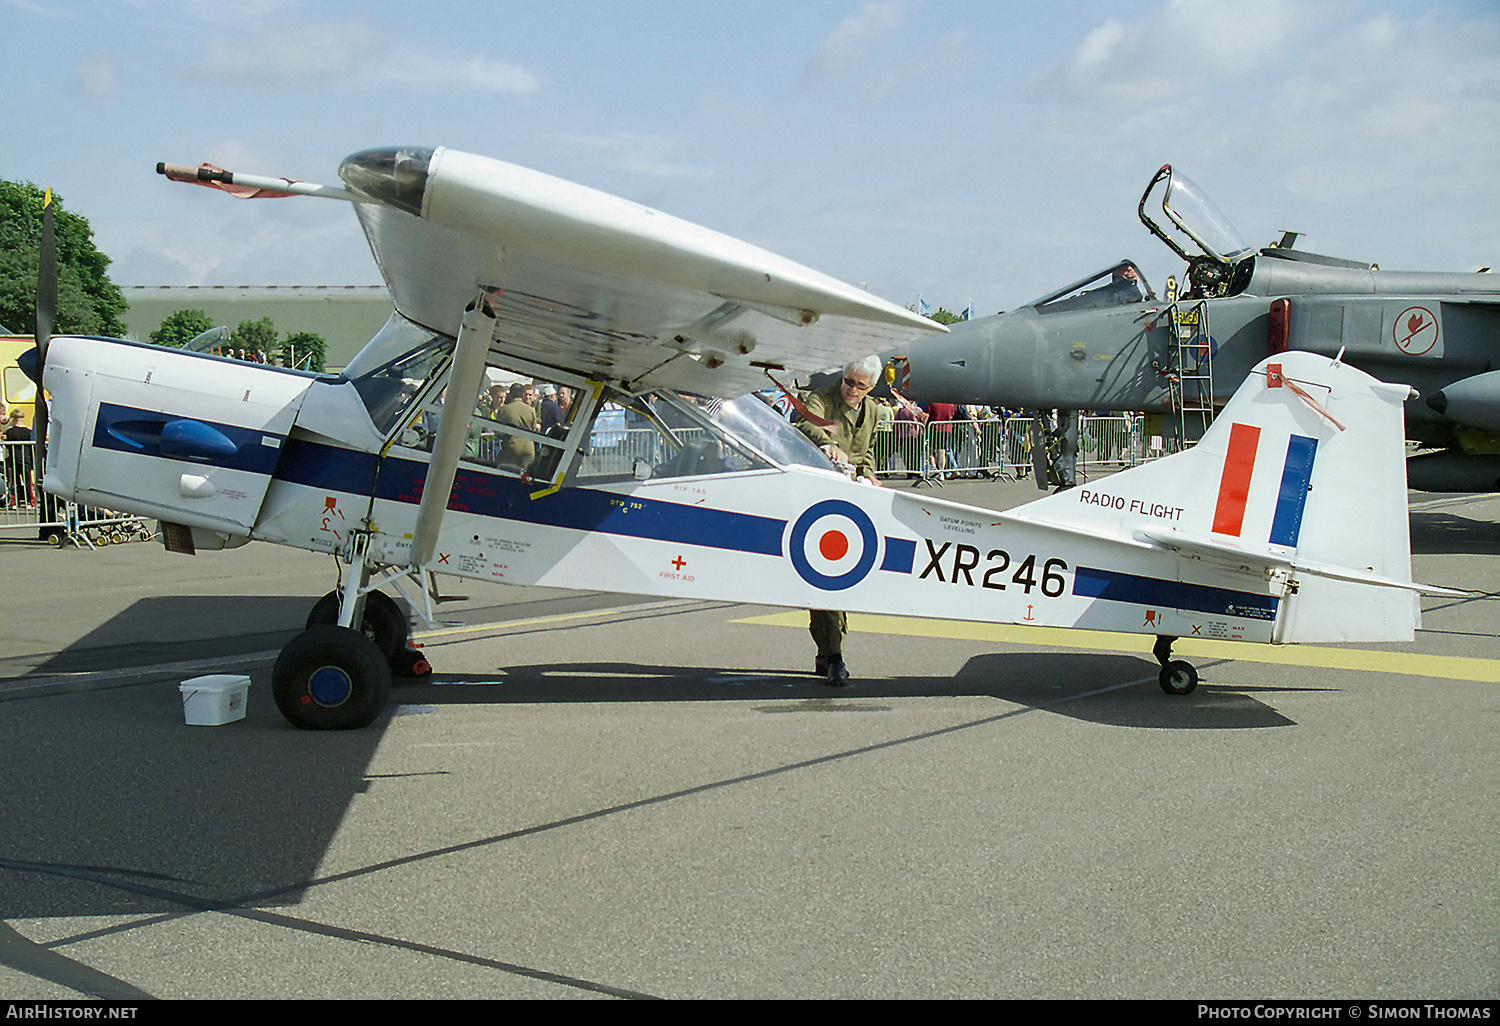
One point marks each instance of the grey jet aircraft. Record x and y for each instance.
(1108, 342)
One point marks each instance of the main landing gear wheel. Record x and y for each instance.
(331, 678)
(1176, 677)
(384, 623)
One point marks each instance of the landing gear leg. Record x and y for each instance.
(1176, 677)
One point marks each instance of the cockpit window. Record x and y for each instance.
(660, 435)
(1114, 286)
(517, 426)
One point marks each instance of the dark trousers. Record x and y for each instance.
(828, 628)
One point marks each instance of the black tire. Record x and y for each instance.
(384, 623)
(1178, 678)
(330, 678)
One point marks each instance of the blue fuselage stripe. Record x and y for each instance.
(1114, 586)
(900, 554)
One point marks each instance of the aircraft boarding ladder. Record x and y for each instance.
(1190, 386)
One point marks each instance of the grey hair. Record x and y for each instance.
(870, 367)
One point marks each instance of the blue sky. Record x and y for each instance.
(984, 151)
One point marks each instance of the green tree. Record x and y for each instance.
(306, 350)
(181, 327)
(88, 303)
(945, 316)
(256, 337)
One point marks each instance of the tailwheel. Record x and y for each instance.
(1178, 678)
(331, 678)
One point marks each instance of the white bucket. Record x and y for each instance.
(214, 700)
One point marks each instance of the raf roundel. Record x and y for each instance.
(833, 545)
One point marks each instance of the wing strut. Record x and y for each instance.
(469, 355)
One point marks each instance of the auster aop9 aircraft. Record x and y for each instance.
(1106, 342)
(1287, 524)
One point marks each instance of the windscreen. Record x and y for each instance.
(389, 370)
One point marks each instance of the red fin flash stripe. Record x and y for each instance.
(1234, 486)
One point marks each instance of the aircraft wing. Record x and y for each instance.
(588, 282)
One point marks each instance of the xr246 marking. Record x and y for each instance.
(966, 558)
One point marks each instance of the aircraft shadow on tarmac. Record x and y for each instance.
(1049, 681)
(1435, 532)
(178, 628)
(115, 808)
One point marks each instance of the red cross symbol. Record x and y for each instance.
(679, 562)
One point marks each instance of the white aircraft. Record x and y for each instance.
(1288, 523)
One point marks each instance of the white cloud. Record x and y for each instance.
(1185, 46)
(288, 52)
(855, 38)
(952, 56)
(438, 73)
(1374, 134)
(638, 153)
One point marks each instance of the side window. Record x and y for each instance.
(517, 426)
(654, 437)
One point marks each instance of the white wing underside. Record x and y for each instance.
(591, 283)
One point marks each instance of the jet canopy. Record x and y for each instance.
(1180, 214)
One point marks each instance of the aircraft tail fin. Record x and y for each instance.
(1301, 479)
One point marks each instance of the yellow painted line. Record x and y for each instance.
(1407, 663)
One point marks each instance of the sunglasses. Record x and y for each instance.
(858, 386)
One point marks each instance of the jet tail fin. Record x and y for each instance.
(1301, 479)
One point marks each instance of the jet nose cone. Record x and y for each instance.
(396, 175)
(1438, 401)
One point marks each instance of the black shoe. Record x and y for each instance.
(820, 666)
(837, 673)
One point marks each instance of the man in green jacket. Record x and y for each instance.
(849, 442)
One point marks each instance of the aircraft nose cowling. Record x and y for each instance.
(395, 175)
(1474, 400)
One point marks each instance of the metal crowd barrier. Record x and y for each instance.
(25, 509)
(1000, 447)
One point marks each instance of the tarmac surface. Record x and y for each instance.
(604, 796)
